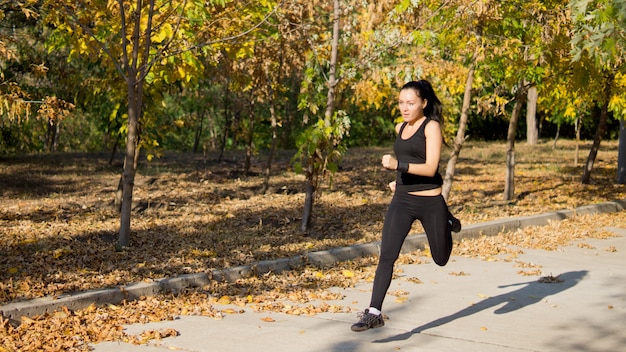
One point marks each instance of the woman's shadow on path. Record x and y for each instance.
(530, 293)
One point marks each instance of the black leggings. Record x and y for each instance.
(432, 211)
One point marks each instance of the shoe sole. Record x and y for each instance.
(359, 329)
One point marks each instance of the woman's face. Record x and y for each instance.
(411, 105)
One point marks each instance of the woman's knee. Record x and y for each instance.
(441, 256)
(441, 260)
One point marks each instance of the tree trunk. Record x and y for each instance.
(52, 137)
(460, 135)
(201, 113)
(273, 119)
(312, 174)
(134, 82)
(509, 186)
(578, 124)
(621, 153)
(270, 157)
(227, 121)
(604, 112)
(308, 207)
(556, 136)
(134, 111)
(198, 135)
(250, 141)
(114, 150)
(532, 133)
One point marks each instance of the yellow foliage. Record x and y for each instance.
(617, 103)
(570, 111)
(181, 72)
(370, 93)
(165, 32)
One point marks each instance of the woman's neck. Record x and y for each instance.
(413, 122)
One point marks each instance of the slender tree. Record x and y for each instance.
(149, 44)
(599, 44)
(509, 185)
(321, 151)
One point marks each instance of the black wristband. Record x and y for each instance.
(403, 166)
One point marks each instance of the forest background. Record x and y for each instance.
(231, 117)
(313, 77)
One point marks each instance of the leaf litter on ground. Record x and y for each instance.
(191, 215)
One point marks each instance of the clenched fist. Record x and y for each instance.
(389, 162)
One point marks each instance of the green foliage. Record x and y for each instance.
(599, 46)
(599, 31)
(321, 146)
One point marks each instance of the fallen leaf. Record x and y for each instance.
(460, 273)
(348, 273)
(224, 300)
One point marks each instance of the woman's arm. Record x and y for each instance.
(434, 140)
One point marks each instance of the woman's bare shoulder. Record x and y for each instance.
(398, 126)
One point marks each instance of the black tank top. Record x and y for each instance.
(413, 151)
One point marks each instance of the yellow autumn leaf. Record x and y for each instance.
(181, 72)
(402, 299)
(27, 320)
(60, 315)
(348, 273)
(165, 32)
(224, 300)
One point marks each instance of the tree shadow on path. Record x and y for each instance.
(530, 293)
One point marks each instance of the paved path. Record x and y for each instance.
(491, 308)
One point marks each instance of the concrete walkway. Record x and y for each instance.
(489, 308)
